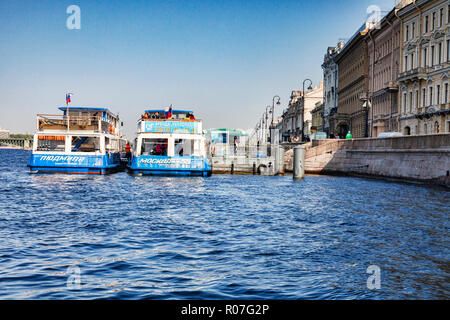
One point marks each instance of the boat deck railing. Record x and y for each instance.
(94, 124)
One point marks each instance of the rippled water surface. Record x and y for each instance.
(223, 237)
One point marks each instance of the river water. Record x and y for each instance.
(222, 237)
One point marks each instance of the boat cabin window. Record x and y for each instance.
(187, 147)
(111, 145)
(51, 143)
(85, 144)
(154, 147)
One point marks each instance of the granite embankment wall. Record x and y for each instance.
(423, 158)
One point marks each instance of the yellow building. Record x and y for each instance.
(317, 118)
(424, 102)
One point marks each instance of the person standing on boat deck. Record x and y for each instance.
(128, 151)
(235, 145)
(158, 149)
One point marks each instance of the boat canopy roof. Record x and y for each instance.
(173, 111)
(87, 109)
(234, 132)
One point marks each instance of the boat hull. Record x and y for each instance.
(170, 166)
(75, 164)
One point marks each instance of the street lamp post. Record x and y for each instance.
(303, 111)
(273, 112)
(266, 128)
(273, 105)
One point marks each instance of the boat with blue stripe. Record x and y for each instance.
(170, 142)
(82, 140)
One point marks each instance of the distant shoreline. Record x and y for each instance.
(12, 148)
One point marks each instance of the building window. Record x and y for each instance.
(436, 127)
(441, 17)
(424, 97)
(410, 102)
(425, 128)
(416, 99)
(448, 50)
(405, 65)
(431, 96)
(440, 52)
(413, 33)
(438, 94)
(448, 14)
(425, 52)
(432, 55)
(404, 103)
(426, 24)
(446, 93)
(407, 33)
(433, 22)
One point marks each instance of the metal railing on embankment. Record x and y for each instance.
(248, 159)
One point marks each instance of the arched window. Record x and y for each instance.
(407, 131)
(436, 127)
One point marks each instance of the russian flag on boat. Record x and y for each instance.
(168, 112)
(68, 96)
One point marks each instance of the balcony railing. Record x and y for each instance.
(75, 123)
(414, 73)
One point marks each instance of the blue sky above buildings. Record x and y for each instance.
(223, 59)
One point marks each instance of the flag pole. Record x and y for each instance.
(67, 112)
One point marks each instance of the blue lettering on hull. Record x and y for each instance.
(87, 164)
(163, 165)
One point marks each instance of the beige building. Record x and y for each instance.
(425, 67)
(297, 118)
(383, 43)
(352, 110)
(312, 97)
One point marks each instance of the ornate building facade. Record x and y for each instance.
(383, 45)
(317, 118)
(330, 87)
(352, 110)
(425, 67)
(296, 120)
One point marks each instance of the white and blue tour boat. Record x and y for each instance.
(170, 142)
(81, 141)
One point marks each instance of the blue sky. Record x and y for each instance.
(224, 59)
